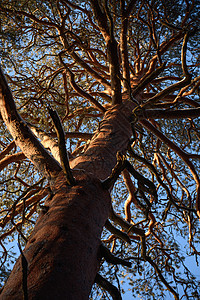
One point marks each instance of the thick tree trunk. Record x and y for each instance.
(63, 251)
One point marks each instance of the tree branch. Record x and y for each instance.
(79, 90)
(126, 225)
(7, 150)
(105, 22)
(23, 136)
(110, 258)
(120, 234)
(183, 155)
(154, 265)
(116, 171)
(62, 148)
(16, 157)
(182, 83)
(147, 79)
(82, 63)
(167, 114)
(153, 170)
(24, 272)
(144, 183)
(105, 284)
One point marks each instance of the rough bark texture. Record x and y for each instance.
(63, 251)
(29, 144)
(113, 135)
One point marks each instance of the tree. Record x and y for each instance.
(119, 80)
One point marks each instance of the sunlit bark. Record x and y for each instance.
(119, 76)
(63, 251)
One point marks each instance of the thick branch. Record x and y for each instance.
(120, 234)
(101, 18)
(105, 23)
(110, 258)
(24, 272)
(126, 225)
(144, 183)
(116, 171)
(105, 284)
(62, 148)
(23, 136)
(49, 141)
(168, 114)
(114, 67)
(7, 150)
(16, 157)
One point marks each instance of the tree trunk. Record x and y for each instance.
(63, 250)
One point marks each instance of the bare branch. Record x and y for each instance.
(109, 182)
(126, 225)
(24, 271)
(62, 148)
(168, 114)
(112, 290)
(182, 83)
(120, 234)
(147, 80)
(30, 16)
(16, 157)
(7, 150)
(154, 265)
(23, 136)
(183, 155)
(110, 258)
(105, 22)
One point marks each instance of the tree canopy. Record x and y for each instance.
(82, 59)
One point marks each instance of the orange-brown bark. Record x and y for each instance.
(112, 136)
(10, 159)
(23, 136)
(63, 251)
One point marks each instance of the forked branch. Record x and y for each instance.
(23, 136)
(154, 265)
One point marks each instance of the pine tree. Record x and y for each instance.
(99, 148)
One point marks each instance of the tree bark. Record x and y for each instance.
(63, 251)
